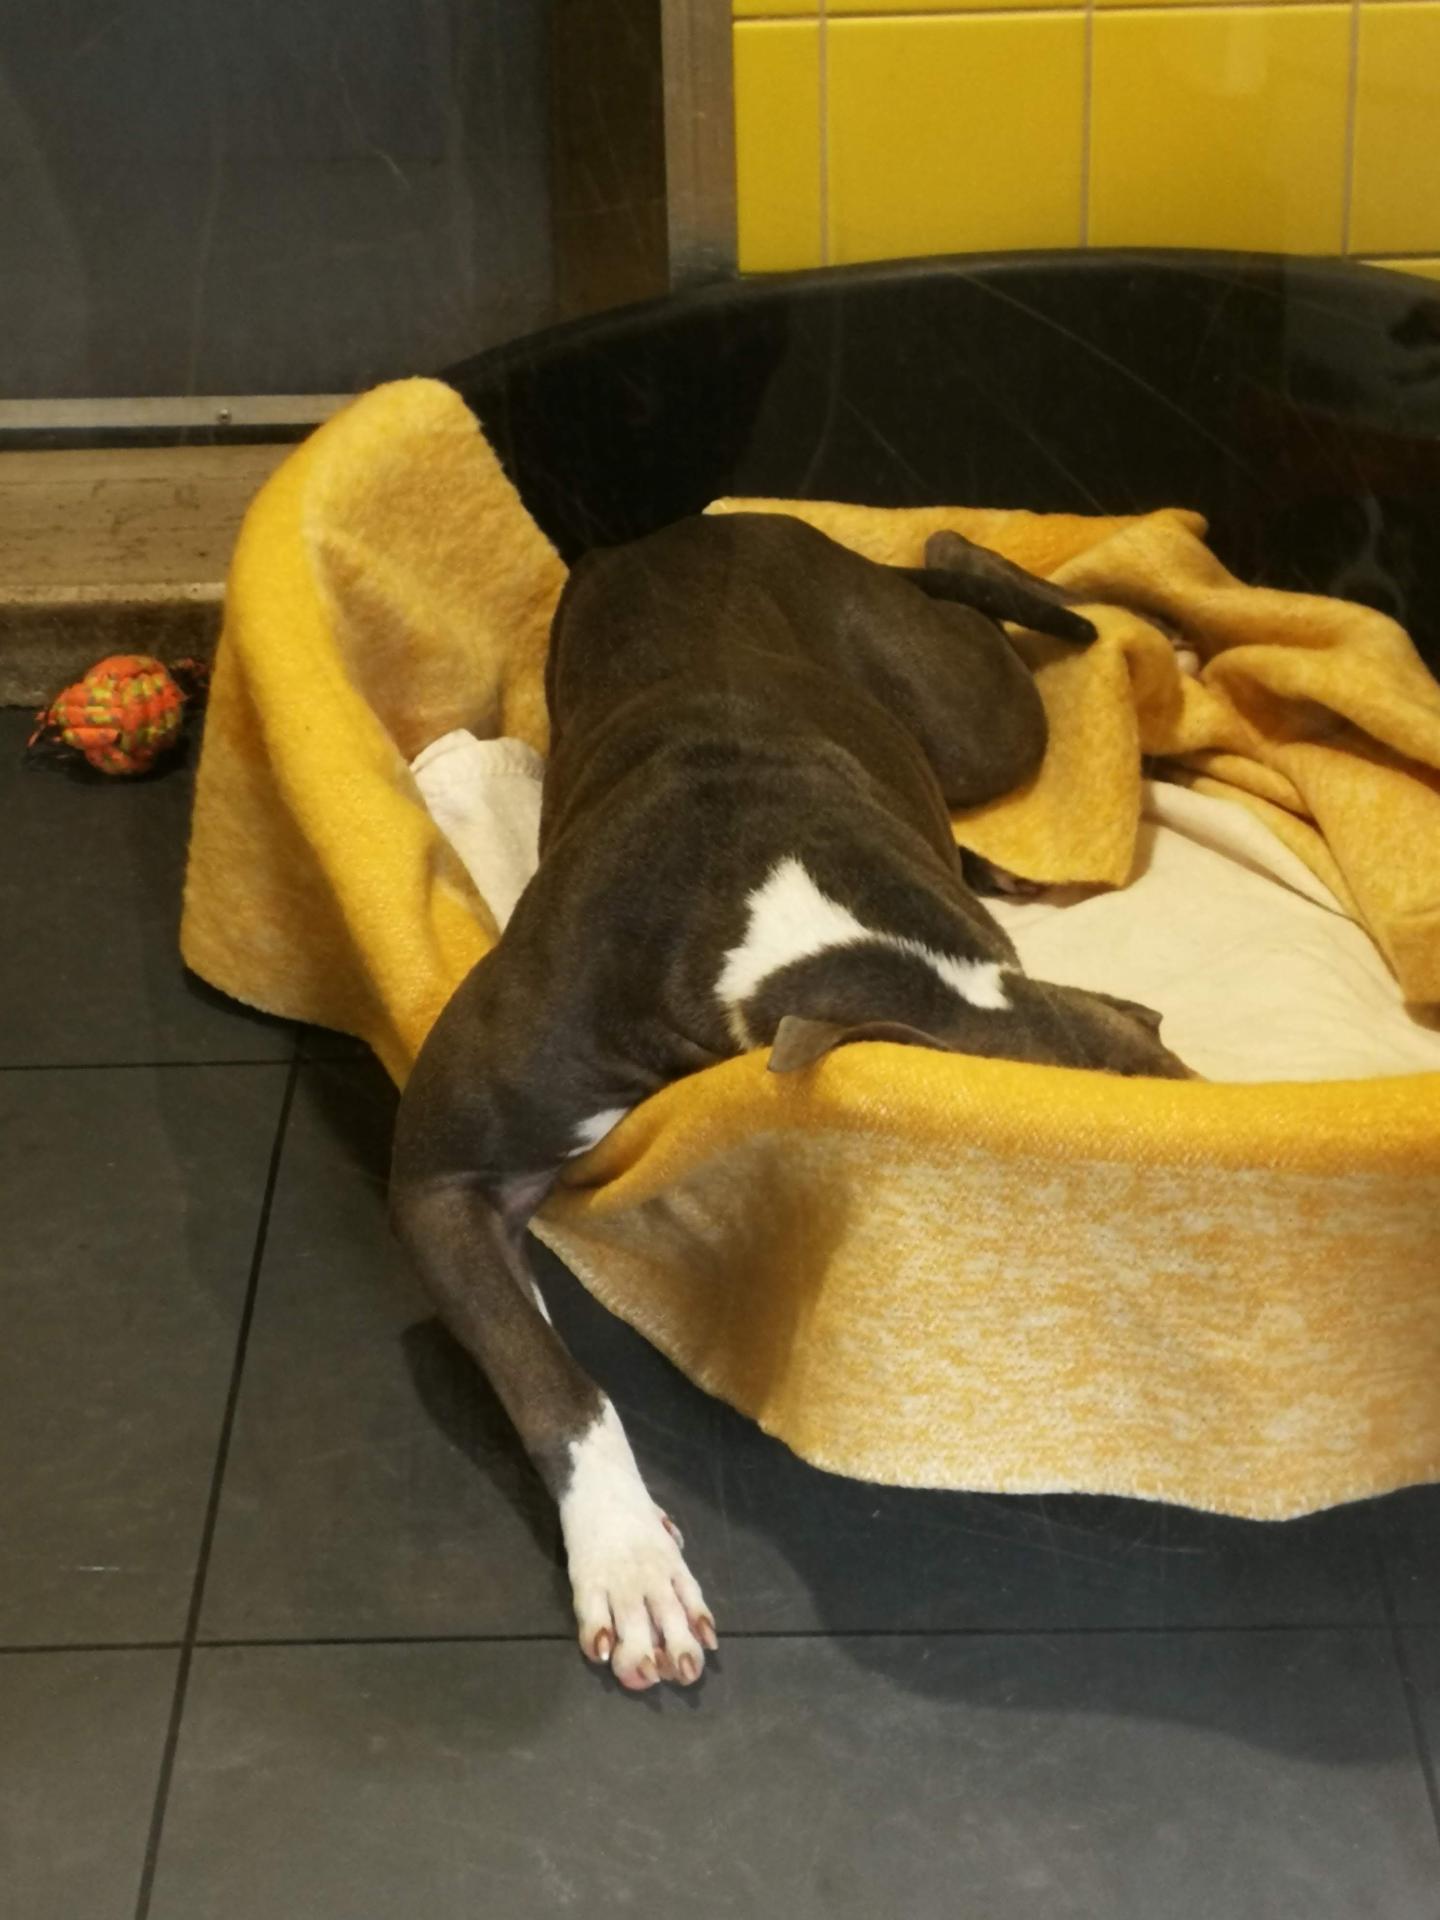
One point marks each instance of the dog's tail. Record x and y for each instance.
(956, 569)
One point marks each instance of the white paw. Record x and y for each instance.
(636, 1602)
(638, 1606)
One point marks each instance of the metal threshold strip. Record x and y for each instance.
(150, 414)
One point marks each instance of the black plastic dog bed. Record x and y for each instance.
(1294, 403)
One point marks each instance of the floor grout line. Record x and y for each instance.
(212, 1506)
(562, 1636)
(211, 1643)
(1423, 1753)
(42, 1647)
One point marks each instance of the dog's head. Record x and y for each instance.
(873, 992)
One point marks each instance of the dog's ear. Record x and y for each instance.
(1147, 1016)
(800, 1042)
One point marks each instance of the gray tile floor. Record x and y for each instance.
(284, 1629)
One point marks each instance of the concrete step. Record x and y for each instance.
(115, 550)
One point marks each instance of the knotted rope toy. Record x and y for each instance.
(126, 712)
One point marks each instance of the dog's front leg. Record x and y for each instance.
(636, 1602)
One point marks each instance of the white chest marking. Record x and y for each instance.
(790, 919)
(591, 1132)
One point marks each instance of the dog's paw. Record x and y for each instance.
(637, 1604)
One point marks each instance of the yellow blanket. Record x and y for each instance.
(911, 1267)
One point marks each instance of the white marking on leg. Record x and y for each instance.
(791, 918)
(636, 1602)
(978, 981)
(591, 1132)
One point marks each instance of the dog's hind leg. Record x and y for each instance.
(952, 677)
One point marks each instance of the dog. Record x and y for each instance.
(758, 739)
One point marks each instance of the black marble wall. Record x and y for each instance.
(230, 196)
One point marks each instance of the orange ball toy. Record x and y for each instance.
(126, 712)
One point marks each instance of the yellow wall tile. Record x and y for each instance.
(1220, 129)
(1147, 3)
(1395, 202)
(777, 144)
(1426, 269)
(834, 7)
(761, 9)
(953, 136)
